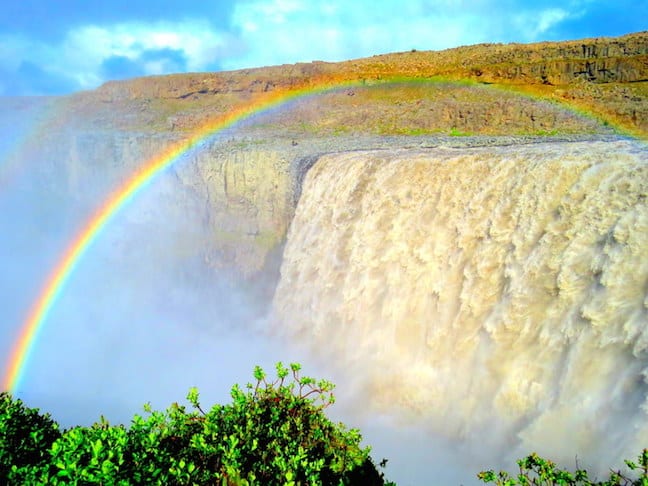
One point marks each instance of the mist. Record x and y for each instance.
(142, 317)
(145, 315)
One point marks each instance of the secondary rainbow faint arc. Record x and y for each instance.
(23, 346)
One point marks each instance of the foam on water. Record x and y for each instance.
(496, 296)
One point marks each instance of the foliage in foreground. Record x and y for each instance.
(274, 432)
(535, 470)
(25, 436)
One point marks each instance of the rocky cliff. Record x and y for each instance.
(242, 187)
(606, 76)
(600, 60)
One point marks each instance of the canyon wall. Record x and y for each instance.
(235, 199)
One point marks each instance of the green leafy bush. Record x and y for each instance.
(273, 432)
(534, 470)
(25, 436)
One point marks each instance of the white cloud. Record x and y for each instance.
(549, 18)
(82, 51)
(277, 11)
(533, 24)
(89, 46)
(267, 32)
(284, 31)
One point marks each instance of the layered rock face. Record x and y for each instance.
(605, 76)
(619, 59)
(597, 60)
(238, 201)
(248, 207)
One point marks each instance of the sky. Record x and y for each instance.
(57, 47)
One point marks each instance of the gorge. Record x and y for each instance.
(462, 259)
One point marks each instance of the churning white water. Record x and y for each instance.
(496, 295)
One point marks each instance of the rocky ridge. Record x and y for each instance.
(240, 190)
(604, 76)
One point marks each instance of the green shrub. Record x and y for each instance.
(535, 470)
(273, 432)
(25, 437)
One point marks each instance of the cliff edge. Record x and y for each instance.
(606, 77)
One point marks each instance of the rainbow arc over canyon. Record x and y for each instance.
(24, 345)
(53, 287)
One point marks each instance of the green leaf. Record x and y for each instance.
(96, 447)
(259, 374)
(193, 397)
(295, 367)
(107, 467)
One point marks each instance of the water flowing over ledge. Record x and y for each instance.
(497, 292)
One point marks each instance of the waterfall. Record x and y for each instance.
(497, 294)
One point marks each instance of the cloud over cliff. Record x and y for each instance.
(47, 51)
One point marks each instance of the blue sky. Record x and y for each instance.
(54, 47)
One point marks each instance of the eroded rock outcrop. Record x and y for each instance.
(555, 71)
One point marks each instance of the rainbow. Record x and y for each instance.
(56, 281)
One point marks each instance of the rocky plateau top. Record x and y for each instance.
(604, 77)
